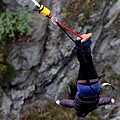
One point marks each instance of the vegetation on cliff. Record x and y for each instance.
(12, 26)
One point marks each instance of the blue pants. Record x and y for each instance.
(85, 90)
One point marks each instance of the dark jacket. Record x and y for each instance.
(84, 105)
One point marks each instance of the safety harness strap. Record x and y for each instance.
(68, 35)
(101, 76)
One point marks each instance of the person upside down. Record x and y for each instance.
(87, 97)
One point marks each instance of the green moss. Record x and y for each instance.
(13, 25)
(1, 94)
(71, 87)
(106, 69)
(54, 112)
(93, 116)
(64, 13)
(51, 112)
(115, 79)
(115, 26)
(6, 69)
(81, 9)
(6, 75)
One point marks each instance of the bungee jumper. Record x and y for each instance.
(87, 98)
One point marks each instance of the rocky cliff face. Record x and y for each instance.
(45, 62)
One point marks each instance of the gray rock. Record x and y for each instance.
(6, 107)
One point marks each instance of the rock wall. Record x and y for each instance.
(46, 61)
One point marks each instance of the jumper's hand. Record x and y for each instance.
(58, 102)
(112, 101)
(78, 38)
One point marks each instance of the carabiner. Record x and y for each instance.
(54, 20)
